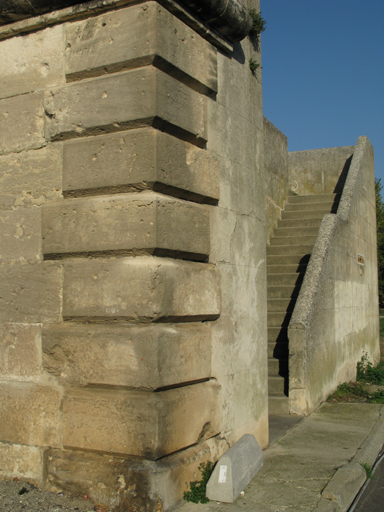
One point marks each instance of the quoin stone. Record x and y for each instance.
(170, 275)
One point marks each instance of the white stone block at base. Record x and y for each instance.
(235, 469)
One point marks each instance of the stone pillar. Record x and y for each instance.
(132, 295)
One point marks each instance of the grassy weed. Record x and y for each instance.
(367, 468)
(366, 372)
(361, 391)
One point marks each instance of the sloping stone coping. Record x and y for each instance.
(228, 17)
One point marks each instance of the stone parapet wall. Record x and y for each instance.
(335, 319)
(276, 175)
(132, 261)
(319, 171)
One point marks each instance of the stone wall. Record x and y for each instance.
(335, 319)
(277, 183)
(132, 287)
(319, 171)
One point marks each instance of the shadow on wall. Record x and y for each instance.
(343, 176)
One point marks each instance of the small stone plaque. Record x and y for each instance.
(360, 259)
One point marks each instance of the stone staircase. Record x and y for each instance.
(287, 258)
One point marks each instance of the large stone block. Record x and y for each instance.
(140, 423)
(140, 159)
(31, 177)
(130, 223)
(140, 289)
(21, 461)
(124, 483)
(20, 234)
(31, 414)
(22, 122)
(30, 293)
(135, 98)
(20, 351)
(142, 357)
(138, 36)
(32, 62)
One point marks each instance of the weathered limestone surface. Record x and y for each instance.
(121, 482)
(145, 222)
(32, 62)
(20, 352)
(140, 357)
(30, 293)
(239, 338)
(118, 122)
(22, 122)
(158, 288)
(139, 159)
(137, 36)
(130, 99)
(21, 461)
(32, 414)
(20, 234)
(319, 171)
(31, 177)
(138, 423)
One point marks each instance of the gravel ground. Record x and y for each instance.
(17, 496)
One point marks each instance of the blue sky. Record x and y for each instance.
(323, 72)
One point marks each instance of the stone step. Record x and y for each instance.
(293, 240)
(278, 367)
(281, 250)
(277, 335)
(285, 279)
(288, 259)
(319, 198)
(283, 292)
(281, 305)
(298, 223)
(286, 269)
(309, 207)
(278, 350)
(277, 385)
(297, 231)
(299, 214)
(276, 319)
(278, 405)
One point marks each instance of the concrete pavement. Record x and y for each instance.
(315, 466)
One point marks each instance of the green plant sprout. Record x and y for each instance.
(367, 373)
(367, 468)
(198, 488)
(253, 65)
(258, 23)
